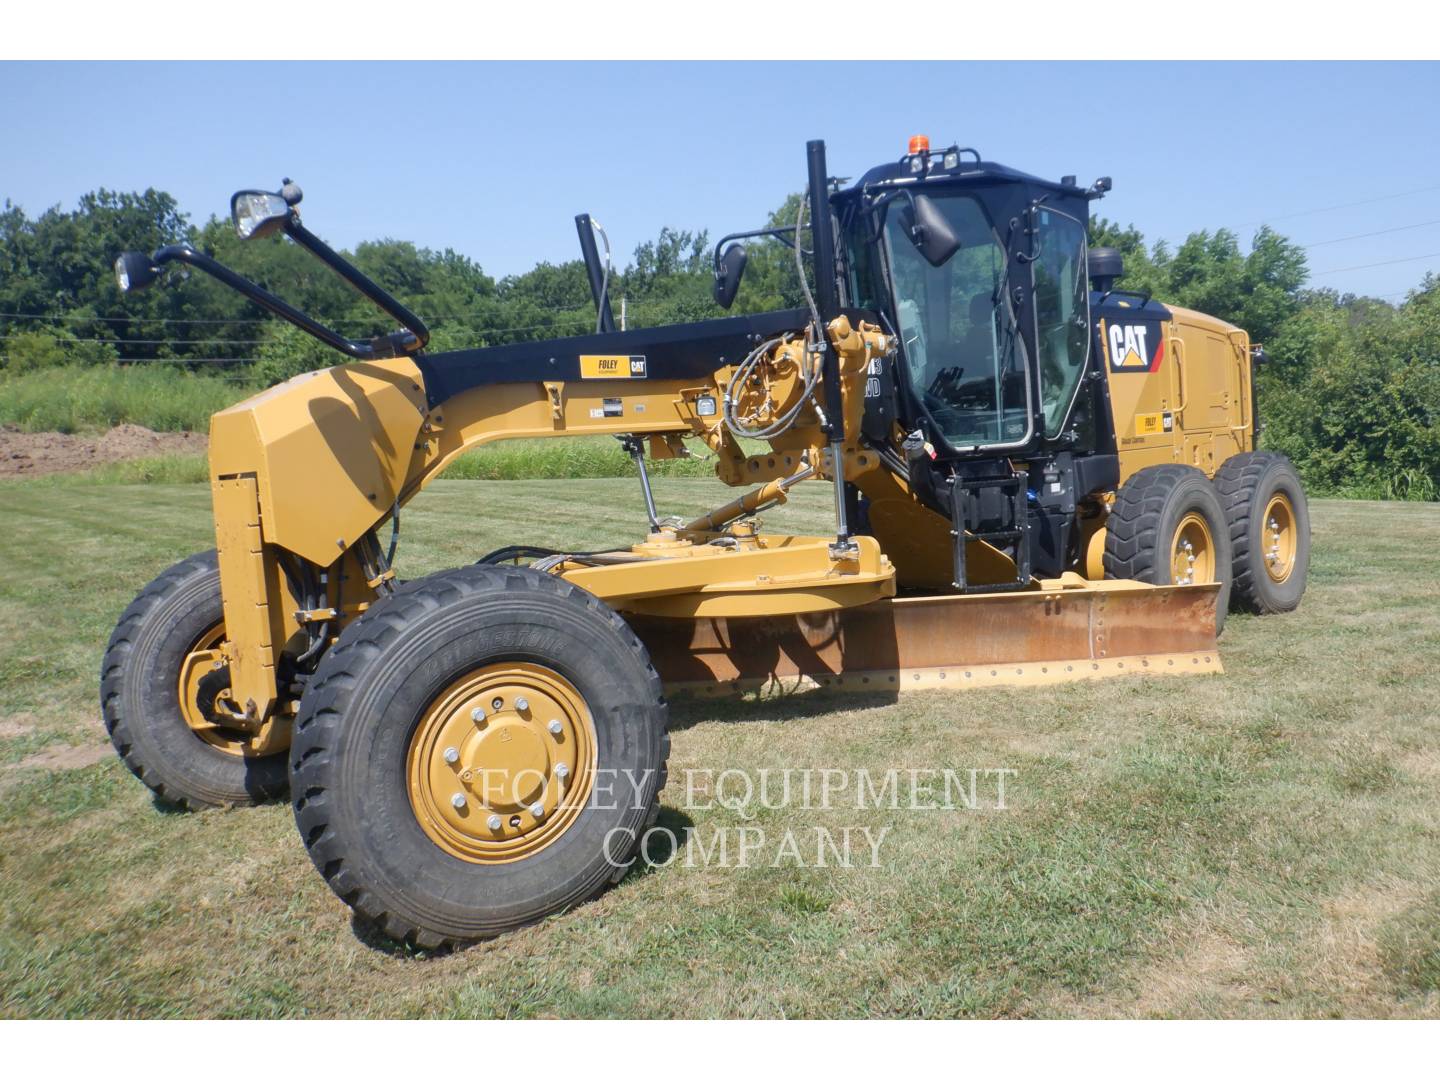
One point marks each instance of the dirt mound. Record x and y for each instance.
(39, 453)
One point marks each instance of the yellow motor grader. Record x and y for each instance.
(1037, 477)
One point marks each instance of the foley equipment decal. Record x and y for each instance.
(612, 367)
(1154, 423)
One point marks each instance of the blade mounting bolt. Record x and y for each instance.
(555, 727)
(452, 755)
(458, 801)
(494, 822)
(537, 809)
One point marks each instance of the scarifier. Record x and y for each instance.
(1037, 477)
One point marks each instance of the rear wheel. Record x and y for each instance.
(1269, 523)
(1167, 527)
(160, 680)
(480, 750)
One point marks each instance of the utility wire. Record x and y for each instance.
(1377, 232)
(1340, 206)
(468, 317)
(1370, 266)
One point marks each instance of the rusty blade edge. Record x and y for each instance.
(920, 639)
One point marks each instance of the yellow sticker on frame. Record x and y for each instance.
(612, 367)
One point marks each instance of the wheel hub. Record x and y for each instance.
(1192, 558)
(501, 763)
(203, 685)
(1278, 537)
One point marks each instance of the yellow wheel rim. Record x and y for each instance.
(202, 663)
(1277, 537)
(502, 763)
(1192, 555)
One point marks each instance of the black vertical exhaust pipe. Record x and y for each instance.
(595, 270)
(827, 301)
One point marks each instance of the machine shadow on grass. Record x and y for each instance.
(665, 839)
(686, 711)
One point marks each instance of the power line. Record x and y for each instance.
(1371, 266)
(437, 318)
(484, 331)
(1377, 232)
(1341, 206)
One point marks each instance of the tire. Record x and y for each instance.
(1149, 509)
(363, 813)
(140, 697)
(1249, 484)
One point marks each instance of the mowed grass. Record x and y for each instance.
(1262, 843)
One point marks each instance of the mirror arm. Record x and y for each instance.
(377, 349)
(367, 288)
(780, 233)
(879, 203)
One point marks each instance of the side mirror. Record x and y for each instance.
(258, 213)
(929, 231)
(134, 271)
(730, 268)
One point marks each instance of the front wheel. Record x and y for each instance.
(162, 673)
(480, 750)
(1167, 527)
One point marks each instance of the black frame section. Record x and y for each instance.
(679, 351)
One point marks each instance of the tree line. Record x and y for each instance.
(1351, 393)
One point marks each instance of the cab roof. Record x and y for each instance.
(969, 167)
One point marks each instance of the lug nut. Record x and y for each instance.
(537, 809)
(494, 822)
(521, 705)
(458, 801)
(562, 770)
(477, 714)
(555, 727)
(452, 755)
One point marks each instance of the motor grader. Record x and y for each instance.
(1038, 476)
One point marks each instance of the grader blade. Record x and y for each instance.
(1094, 630)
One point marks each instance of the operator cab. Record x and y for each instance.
(994, 340)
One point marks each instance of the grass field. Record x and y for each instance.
(1264, 843)
(80, 398)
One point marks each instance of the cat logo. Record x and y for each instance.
(612, 367)
(1129, 348)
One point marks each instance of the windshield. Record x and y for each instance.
(962, 354)
(1062, 313)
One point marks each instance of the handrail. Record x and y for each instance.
(1242, 353)
(1184, 388)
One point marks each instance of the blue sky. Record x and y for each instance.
(495, 160)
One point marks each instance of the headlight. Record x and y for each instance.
(257, 213)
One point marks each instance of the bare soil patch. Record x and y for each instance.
(15, 727)
(59, 758)
(42, 453)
